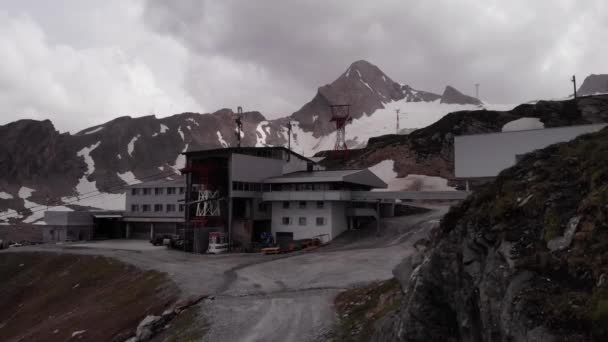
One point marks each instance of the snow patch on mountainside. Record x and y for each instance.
(5, 195)
(385, 170)
(523, 124)
(413, 115)
(163, 129)
(128, 177)
(221, 139)
(180, 161)
(181, 134)
(131, 145)
(261, 133)
(94, 130)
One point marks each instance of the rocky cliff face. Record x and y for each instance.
(430, 150)
(523, 259)
(594, 84)
(365, 87)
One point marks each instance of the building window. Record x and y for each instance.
(158, 191)
(170, 191)
(302, 205)
(182, 190)
(320, 221)
(320, 204)
(134, 192)
(302, 221)
(181, 208)
(145, 207)
(286, 220)
(285, 204)
(158, 208)
(146, 191)
(170, 208)
(134, 207)
(262, 207)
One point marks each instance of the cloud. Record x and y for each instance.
(79, 86)
(84, 62)
(517, 50)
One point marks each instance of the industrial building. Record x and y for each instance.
(248, 191)
(479, 158)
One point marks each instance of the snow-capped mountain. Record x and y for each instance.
(41, 167)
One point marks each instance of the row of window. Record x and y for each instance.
(157, 191)
(320, 221)
(303, 204)
(247, 186)
(158, 208)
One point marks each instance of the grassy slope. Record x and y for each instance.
(47, 297)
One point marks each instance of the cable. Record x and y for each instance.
(96, 193)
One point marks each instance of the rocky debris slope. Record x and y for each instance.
(523, 259)
(594, 84)
(453, 96)
(430, 150)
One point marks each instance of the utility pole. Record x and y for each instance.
(288, 125)
(477, 91)
(574, 84)
(397, 114)
(239, 125)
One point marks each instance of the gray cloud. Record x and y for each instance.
(81, 63)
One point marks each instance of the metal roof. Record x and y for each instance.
(358, 176)
(246, 150)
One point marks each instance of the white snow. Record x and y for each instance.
(155, 134)
(79, 332)
(385, 170)
(193, 121)
(131, 145)
(163, 129)
(261, 134)
(221, 139)
(523, 124)
(179, 130)
(5, 195)
(180, 161)
(94, 130)
(314, 118)
(384, 78)
(25, 192)
(128, 177)
(413, 115)
(367, 85)
(348, 72)
(358, 73)
(119, 156)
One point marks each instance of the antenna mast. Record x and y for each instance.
(397, 114)
(574, 84)
(340, 114)
(239, 125)
(477, 91)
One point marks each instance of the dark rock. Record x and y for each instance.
(452, 96)
(594, 84)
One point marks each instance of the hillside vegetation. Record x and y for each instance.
(525, 258)
(59, 297)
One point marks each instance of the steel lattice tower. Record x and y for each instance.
(340, 114)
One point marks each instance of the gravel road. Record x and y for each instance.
(286, 297)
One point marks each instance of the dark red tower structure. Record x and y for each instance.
(340, 114)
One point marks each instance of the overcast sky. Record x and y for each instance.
(84, 62)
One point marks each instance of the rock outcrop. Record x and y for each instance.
(522, 259)
(594, 84)
(452, 96)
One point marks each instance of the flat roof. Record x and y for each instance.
(355, 176)
(250, 149)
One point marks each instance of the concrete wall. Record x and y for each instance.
(153, 199)
(52, 233)
(68, 218)
(332, 212)
(245, 168)
(485, 155)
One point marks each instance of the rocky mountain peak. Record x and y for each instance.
(451, 95)
(594, 84)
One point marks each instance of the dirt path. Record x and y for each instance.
(276, 298)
